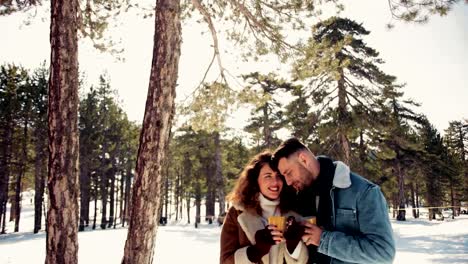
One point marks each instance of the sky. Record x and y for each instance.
(431, 59)
(418, 241)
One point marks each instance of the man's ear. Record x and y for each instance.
(303, 159)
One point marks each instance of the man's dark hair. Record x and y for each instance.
(285, 150)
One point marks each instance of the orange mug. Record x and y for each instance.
(310, 219)
(279, 221)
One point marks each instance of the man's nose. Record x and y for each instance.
(288, 180)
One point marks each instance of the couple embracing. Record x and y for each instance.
(327, 213)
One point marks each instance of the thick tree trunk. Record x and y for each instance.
(139, 247)
(63, 181)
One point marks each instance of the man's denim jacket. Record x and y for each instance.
(361, 227)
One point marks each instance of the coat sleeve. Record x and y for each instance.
(231, 251)
(303, 255)
(375, 243)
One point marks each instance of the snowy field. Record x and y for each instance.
(417, 240)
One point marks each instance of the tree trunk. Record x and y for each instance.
(139, 246)
(96, 184)
(267, 137)
(122, 196)
(177, 195)
(5, 169)
(219, 175)
(39, 185)
(452, 199)
(211, 185)
(85, 187)
(18, 198)
(63, 181)
(342, 121)
(104, 184)
(187, 182)
(127, 204)
(112, 196)
(413, 200)
(401, 192)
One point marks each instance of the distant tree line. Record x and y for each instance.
(341, 104)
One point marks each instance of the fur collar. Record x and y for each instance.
(342, 178)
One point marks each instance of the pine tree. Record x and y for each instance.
(398, 139)
(12, 81)
(63, 178)
(40, 124)
(343, 76)
(267, 116)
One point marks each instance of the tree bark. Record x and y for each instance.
(63, 178)
(139, 246)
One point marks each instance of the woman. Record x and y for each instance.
(246, 236)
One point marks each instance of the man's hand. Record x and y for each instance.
(312, 234)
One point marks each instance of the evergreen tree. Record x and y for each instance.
(398, 145)
(39, 118)
(343, 76)
(13, 80)
(267, 116)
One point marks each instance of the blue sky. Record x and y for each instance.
(431, 59)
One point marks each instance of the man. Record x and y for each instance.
(352, 218)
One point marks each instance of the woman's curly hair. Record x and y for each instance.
(247, 190)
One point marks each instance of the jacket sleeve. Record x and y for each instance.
(231, 251)
(374, 243)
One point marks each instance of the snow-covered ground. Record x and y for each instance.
(417, 240)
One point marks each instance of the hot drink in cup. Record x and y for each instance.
(279, 221)
(310, 219)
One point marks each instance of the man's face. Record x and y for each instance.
(294, 172)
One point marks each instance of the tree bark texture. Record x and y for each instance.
(62, 182)
(139, 246)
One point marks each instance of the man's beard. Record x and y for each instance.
(305, 179)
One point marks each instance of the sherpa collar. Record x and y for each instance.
(342, 178)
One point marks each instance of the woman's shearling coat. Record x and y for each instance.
(238, 233)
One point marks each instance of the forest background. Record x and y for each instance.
(346, 94)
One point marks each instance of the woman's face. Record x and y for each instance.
(270, 183)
